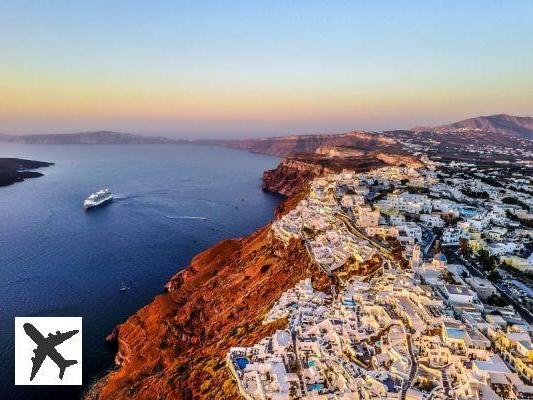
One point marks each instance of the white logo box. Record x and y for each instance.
(70, 349)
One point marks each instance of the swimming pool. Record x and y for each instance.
(242, 362)
(455, 333)
(467, 212)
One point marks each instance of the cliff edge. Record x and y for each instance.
(175, 347)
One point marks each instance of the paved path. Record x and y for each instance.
(412, 373)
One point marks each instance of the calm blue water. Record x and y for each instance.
(58, 260)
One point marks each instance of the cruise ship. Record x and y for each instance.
(97, 199)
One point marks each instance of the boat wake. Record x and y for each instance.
(141, 194)
(186, 217)
(119, 198)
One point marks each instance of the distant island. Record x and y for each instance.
(14, 170)
(87, 138)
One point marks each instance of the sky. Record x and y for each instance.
(252, 68)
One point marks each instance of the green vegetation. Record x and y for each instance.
(525, 222)
(515, 201)
(494, 276)
(475, 195)
(425, 385)
(490, 181)
(488, 262)
(464, 248)
(497, 301)
(521, 190)
(448, 277)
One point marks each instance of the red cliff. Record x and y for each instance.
(295, 172)
(290, 176)
(286, 145)
(174, 347)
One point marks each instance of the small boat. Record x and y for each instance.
(123, 287)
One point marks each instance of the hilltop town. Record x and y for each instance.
(432, 272)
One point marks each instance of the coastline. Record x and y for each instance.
(143, 224)
(14, 170)
(217, 302)
(176, 345)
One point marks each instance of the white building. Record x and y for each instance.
(432, 220)
(367, 217)
(410, 231)
(452, 236)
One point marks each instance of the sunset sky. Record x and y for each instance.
(248, 68)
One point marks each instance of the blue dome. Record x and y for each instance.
(440, 257)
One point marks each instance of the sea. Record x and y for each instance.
(58, 260)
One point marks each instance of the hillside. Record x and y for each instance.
(175, 347)
(501, 124)
(497, 130)
(284, 145)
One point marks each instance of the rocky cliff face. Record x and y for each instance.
(398, 159)
(341, 152)
(175, 347)
(294, 173)
(295, 144)
(290, 176)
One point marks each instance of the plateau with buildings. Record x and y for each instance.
(433, 289)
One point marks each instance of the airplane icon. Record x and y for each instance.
(46, 347)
